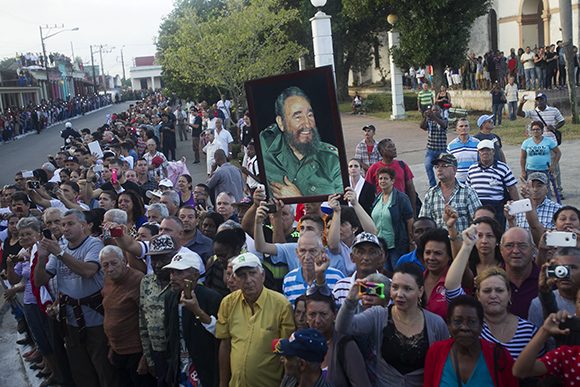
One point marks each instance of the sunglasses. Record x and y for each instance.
(322, 290)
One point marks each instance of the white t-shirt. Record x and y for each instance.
(225, 138)
(530, 60)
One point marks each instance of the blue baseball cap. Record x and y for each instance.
(484, 118)
(307, 344)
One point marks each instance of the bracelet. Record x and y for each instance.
(456, 238)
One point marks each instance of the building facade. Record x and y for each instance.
(145, 74)
(509, 24)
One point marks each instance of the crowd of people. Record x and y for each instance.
(15, 120)
(538, 68)
(120, 269)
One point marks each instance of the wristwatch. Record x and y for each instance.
(60, 254)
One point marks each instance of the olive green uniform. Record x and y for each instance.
(316, 174)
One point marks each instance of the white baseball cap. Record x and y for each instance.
(485, 144)
(246, 260)
(184, 261)
(166, 183)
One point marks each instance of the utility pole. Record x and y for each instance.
(44, 61)
(123, 65)
(94, 76)
(102, 68)
(566, 22)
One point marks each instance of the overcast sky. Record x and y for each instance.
(116, 23)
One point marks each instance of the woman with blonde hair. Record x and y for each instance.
(493, 290)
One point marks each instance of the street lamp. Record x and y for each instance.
(398, 103)
(322, 36)
(43, 38)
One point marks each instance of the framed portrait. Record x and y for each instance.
(298, 135)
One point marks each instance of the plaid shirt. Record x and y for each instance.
(545, 212)
(361, 153)
(463, 199)
(436, 136)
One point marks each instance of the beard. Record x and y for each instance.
(305, 148)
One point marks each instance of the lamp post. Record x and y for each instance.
(398, 104)
(123, 65)
(43, 38)
(322, 36)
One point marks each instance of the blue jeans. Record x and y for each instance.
(512, 109)
(530, 78)
(431, 155)
(540, 76)
(497, 111)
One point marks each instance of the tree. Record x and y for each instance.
(355, 27)
(435, 32)
(225, 46)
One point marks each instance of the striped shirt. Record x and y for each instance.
(426, 97)
(294, 284)
(545, 212)
(489, 182)
(524, 333)
(465, 153)
(550, 114)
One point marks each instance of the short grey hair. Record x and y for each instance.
(228, 194)
(29, 222)
(229, 225)
(381, 279)
(118, 216)
(50, 211)
(49, 167)
(112, 249)
(173, 196)
(78, 214)
(315, 236)
(162, 208)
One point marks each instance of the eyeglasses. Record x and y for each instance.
(437, 166)
(519, 245)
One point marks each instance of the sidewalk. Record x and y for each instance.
(55, 124)
(411, 141)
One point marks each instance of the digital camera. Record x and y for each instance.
(558, 271)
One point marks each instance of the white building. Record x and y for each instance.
(145, 74)
(521, 23)
(509, 24)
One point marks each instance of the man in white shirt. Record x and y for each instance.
(527, 60)
(224, 136)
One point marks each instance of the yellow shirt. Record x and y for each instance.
(252, 361)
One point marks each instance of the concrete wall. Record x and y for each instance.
(481, 100)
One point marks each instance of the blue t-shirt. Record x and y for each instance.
(539, 156)
(410, 258)
(479, 377)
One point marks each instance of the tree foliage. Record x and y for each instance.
(223, 44)
(355, 27)
(435, 32)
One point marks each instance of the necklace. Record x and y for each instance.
(410, 321)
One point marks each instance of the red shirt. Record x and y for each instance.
(439, 351)
(564, 362)
(437, 301)
(512, 64)
(400, 174)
